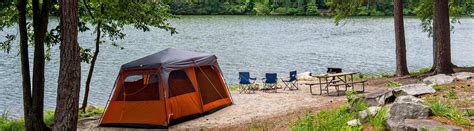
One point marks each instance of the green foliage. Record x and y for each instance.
(261, 9)
(393, 84)
(439, 87)
(91, 112)
(279, 11)
(335, 119)
(312, 9)
(9, 124)
(233, 88)
(421, 71)
(378, 121)
(452, 94)
(48, 118)
(448, 111)
(470, 112)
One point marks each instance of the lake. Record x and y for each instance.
(257, 44)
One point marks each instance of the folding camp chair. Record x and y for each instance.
(246, 83)
(270, 81)
(291, 83)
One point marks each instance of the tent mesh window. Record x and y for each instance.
(179, 83)
(210, 84)
(140, 87)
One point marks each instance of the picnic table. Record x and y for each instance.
(345, 79)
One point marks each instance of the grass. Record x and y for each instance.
(365, 76)
(452, 94)
(48, 117)
(449, 111)
(327, 120)
(439, 87)
(421, 71)
(469, 89)
(378, 121)
(393, 84)
(9, 124)
(233, 88)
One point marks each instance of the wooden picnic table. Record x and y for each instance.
(335, 79)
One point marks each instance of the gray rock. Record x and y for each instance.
(413, 89)
(378, 98)
(373, 110)
(406, 107)
(426, 124)
(363, 114)
(439, 79)
(463, 75)
(355, 122)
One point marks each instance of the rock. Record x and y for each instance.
(463, 75)
(426, 124)
(363, 114)
(305, 76)
(439, 79)
(373, 110)
(406, 107)
(378, 98)
(413, 89)
(354, 122)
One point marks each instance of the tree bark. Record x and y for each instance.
(67, 103)
(401, 67)
(40, 25)
(443, 40)
(25, 64)
(91, 68)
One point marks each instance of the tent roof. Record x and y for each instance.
(166, 57)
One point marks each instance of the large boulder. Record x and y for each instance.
(406, 107)
(378, 98)
(426, 124)
(438, 79)
(304, 76)
(413, 89)
(463, 75)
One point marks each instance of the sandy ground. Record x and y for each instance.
(259, 110)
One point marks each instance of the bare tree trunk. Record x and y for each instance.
(401, 67)
(443, 40)
(40, 24)
(91, 69)
(25, 64)
(69, 81)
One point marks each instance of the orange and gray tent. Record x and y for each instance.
(165, 88)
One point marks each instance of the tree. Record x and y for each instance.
(67, 102)
(442, 32)
(109, 19)
(401, 66)
(33, 99)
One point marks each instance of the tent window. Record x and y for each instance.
(179, 83)
(140, 87)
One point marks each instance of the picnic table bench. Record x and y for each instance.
(335, 80)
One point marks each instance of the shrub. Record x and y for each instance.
(261, 9)
(327, 120)
(48, 118)
(279, 11)
(295, 11)
(10, 125)
(393, 84)
(312, 9)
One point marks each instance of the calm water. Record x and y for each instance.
(249, 43)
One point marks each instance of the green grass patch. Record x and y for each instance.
(378, 121)
(327, 120)
(421, 71)
(91, 112)
(469, 89)
(393, 84)
(233, 88)
(48, 118)
(365, 76)
(452, 94)
(439, 87)
(469, 112)
(9, 124)
(450, 112)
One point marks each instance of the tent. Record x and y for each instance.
(165, 88)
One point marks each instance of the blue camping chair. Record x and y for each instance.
(270, 81)
(291, 83)
(246, 83)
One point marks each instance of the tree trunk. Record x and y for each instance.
(443, 40)
(91, 69)
(67, 103)
(25, 64)
(401, 67)
(40, 24)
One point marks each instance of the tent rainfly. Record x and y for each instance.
(165, 88)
